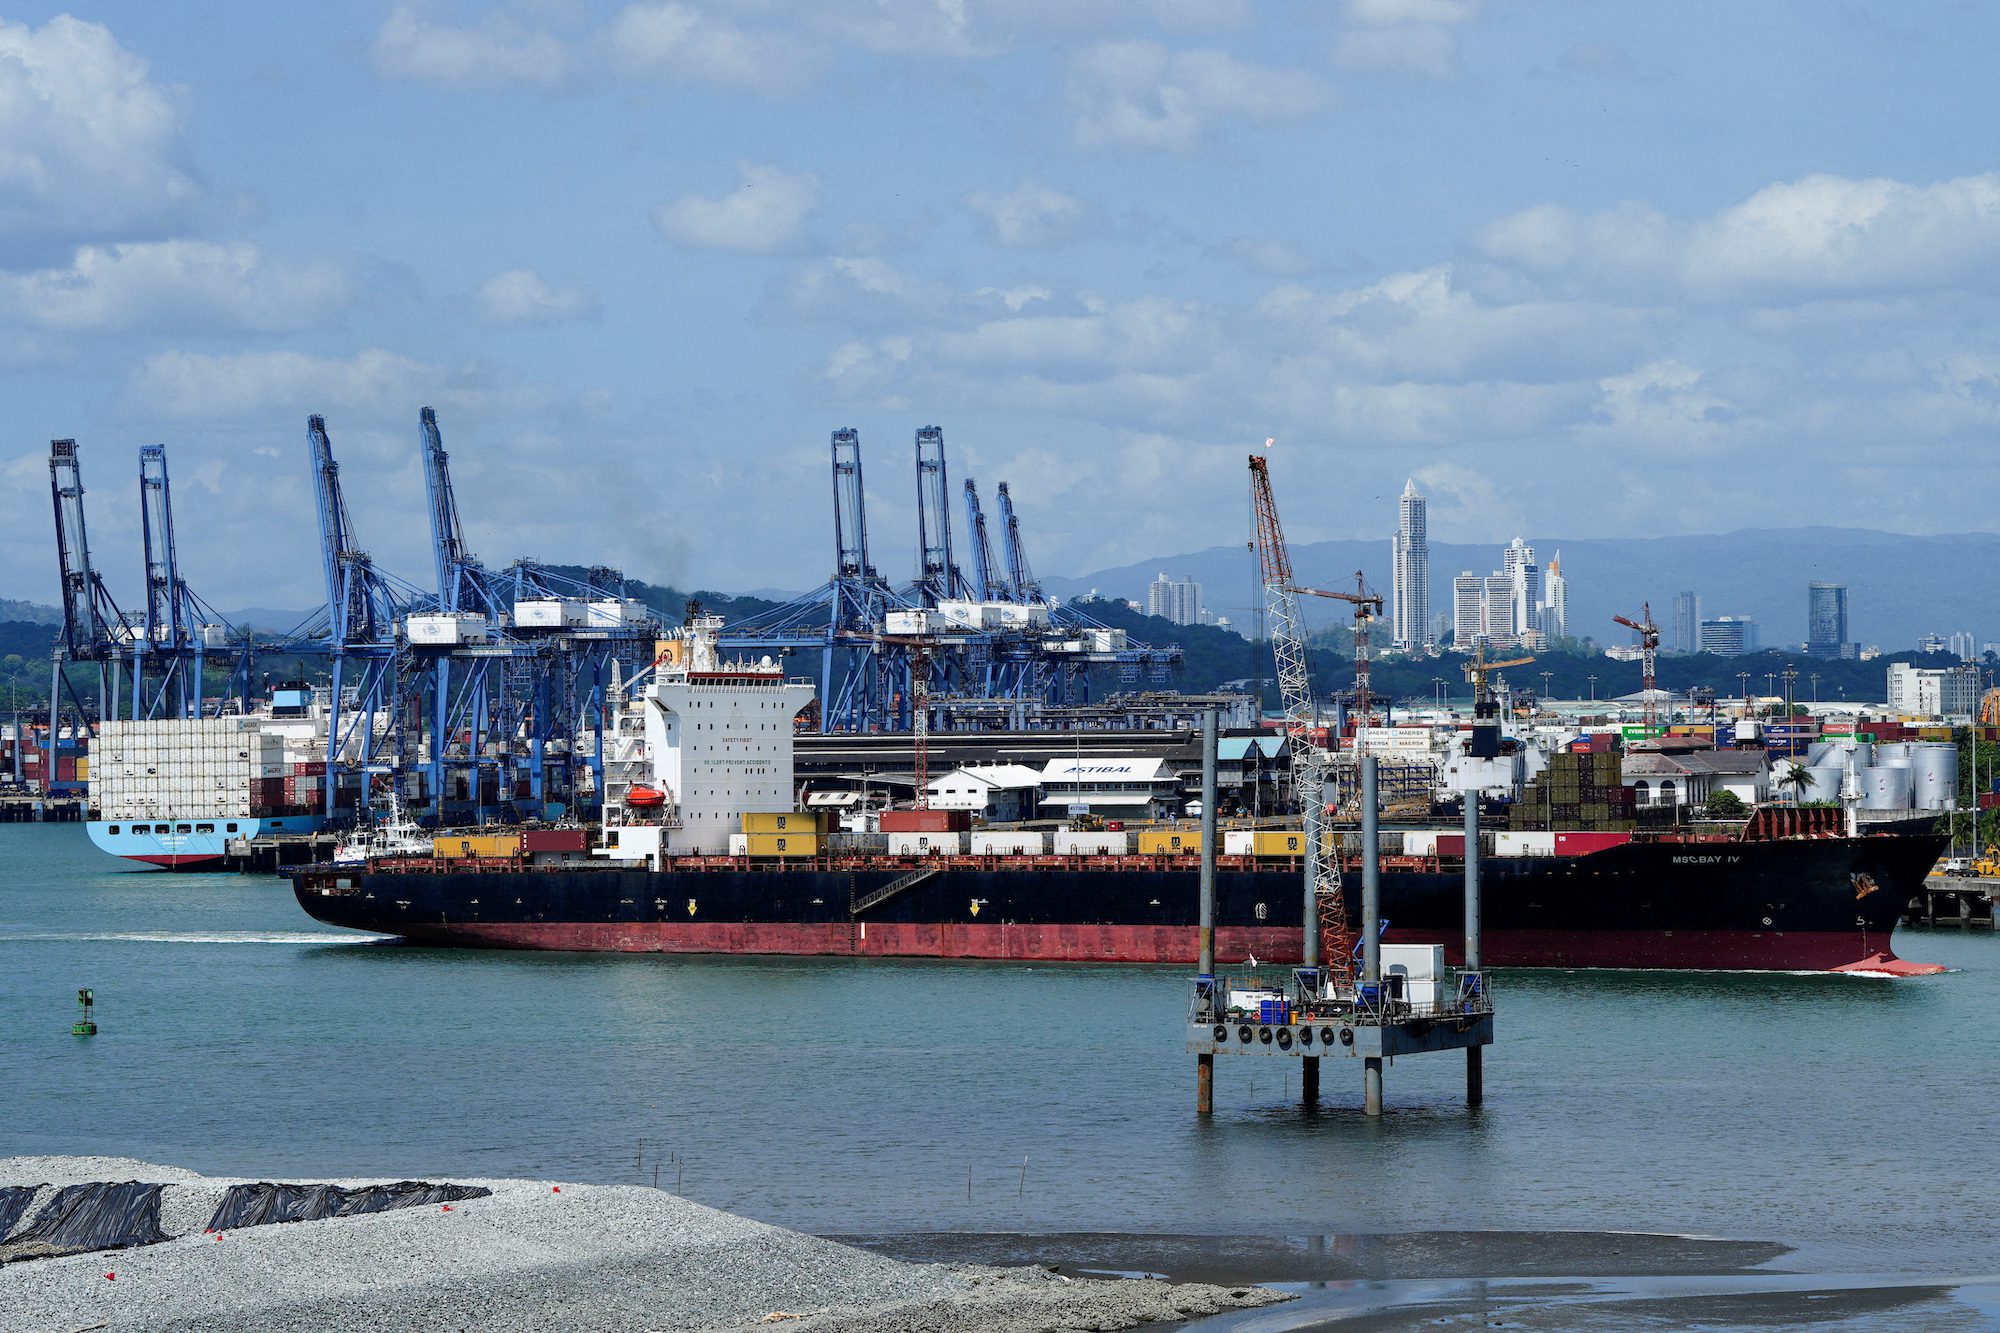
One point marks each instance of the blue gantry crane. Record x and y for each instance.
(94, 629)
(179, 627)
(996, 635)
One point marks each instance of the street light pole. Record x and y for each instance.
(1593, 689)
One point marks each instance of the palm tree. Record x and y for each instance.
(1797, 777)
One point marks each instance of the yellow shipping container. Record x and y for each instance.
(1170, 841)
(1275, 842)
(784, 844)
(82, 769)
(785, 821)
(457, 846)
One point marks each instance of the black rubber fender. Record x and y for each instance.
(1243, 1034)
(1347, 1036)
(1326, 1036)
(1264, 1035)
(1306, 1035)
(1222, 1032)
(1285, 1039)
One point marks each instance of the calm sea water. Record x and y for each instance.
(1852, 1116)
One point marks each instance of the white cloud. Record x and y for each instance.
(764, 215)
(680, 42)
(1269, 256)
(1030, 215)
(1409, 36)
(177, 285)
(1818, 236)
(242, 384)
(1141, 95)
(520, 296)
(498, 52)
(88, 143)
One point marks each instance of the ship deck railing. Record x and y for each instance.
(1457, 993)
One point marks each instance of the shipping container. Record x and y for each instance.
(554, 840)
(453, 846)
(1069, 843)
(1279, 842)
(784, 844)
(784, 821)
(926, 843)
(1009, 842)
(1169, 842)
(926, 821)
(1582, 844)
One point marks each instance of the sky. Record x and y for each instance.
(1580, 269)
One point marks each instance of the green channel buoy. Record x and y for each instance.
(85, 1026)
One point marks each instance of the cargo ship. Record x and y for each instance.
(175, 793)
(702, 852)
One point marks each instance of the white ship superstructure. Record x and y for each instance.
(702, 742)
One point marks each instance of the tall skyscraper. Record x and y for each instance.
(1468, 610)
(1555, 605)
(1826, 621)
(1176, 600)
(1499, 608)
(1525, 579)
(1687, 623)
(1410, 578)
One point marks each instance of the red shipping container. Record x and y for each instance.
(926, 821)
(1989, 800)
(553, 840)
(1451, 844)
(1583, 844)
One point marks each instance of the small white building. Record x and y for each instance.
(1688, 779)
(1115, 788)
(998, 793)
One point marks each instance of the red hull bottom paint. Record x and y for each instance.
(175, 862)
(1681, 950)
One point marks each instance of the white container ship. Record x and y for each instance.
(176, 792)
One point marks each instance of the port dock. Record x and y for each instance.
(1316, 1012)
(1960, 901)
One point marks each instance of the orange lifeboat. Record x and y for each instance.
(645, 796)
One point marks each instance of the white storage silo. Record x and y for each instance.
(1885, 787)
(1933, 774)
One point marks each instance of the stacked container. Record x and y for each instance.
(187, 768)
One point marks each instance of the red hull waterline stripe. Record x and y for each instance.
(175, 862)
(1815, 951)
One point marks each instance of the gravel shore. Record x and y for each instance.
(538, 1255)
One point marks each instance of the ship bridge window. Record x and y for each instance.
(114, 830)
(229, 828)
(204, 828)
(182, 828)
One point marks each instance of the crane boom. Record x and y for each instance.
(88, 611)
(1281, 597)
(1026, 587)
(985, 577)
(166, 595)
(938, 578)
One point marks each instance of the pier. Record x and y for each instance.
(1417, 1005)
(31, 809)
(1961, 901)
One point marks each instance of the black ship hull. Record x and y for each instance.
(1784, 904)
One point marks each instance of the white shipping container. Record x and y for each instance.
(1524, 844)
(1238, 842)
(926, 844)
(1420, 842)
(1091, 844)
(1008, 842)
